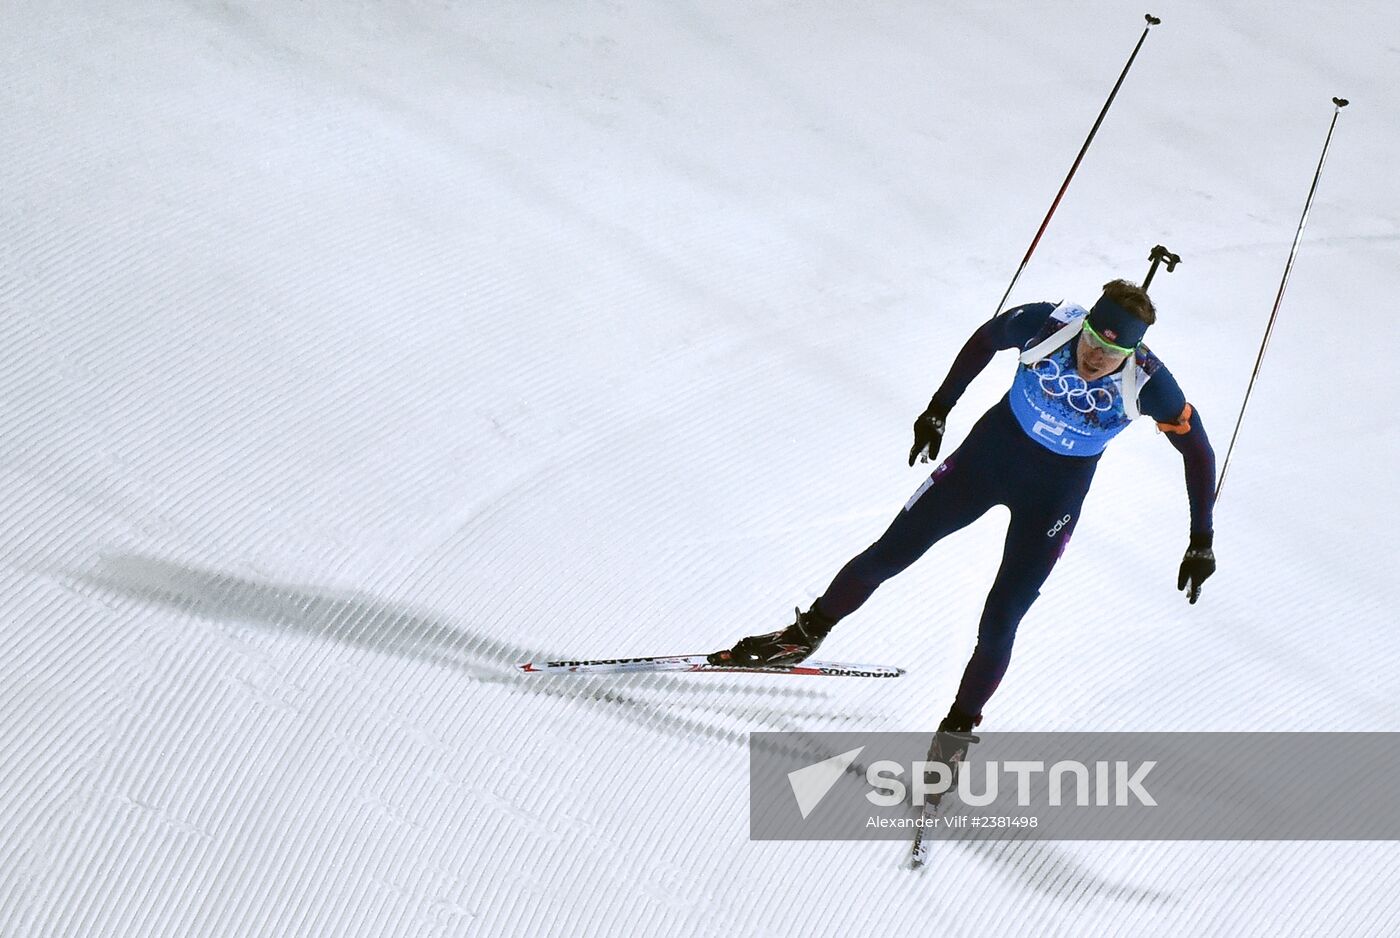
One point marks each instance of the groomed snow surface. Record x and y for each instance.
(355, 351)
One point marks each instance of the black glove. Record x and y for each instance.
(1196, 566)
(928, 433)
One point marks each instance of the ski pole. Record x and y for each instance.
(1151, 21)
(1159, 254)
(1278, 300)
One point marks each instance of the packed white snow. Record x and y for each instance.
(355, 351)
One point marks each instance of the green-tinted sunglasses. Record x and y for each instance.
(1099, 341)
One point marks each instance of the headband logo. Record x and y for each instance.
(1110, 335)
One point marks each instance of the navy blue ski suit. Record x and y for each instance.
(1034, 451)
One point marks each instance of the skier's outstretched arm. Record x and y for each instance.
(1010, 329)
(1182, 424)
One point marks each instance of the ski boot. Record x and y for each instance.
(787, 647)
(951, 742)
(949, 747)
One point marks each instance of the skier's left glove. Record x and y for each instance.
(1196, 566)
(928, 434)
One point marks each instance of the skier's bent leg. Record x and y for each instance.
(949, 500)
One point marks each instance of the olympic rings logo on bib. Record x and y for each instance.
(1074, 389)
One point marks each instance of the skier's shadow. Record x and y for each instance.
(363, 621)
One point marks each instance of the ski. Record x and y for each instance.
(700, 663)
(927, 813)
(931, 808)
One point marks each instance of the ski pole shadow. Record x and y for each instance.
(361, 620)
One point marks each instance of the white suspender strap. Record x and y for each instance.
(1130, 388)
(1057, 339)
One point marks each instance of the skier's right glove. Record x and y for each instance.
(928, 434)
(1196, 566)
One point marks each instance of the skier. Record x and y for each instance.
(1083, 377)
